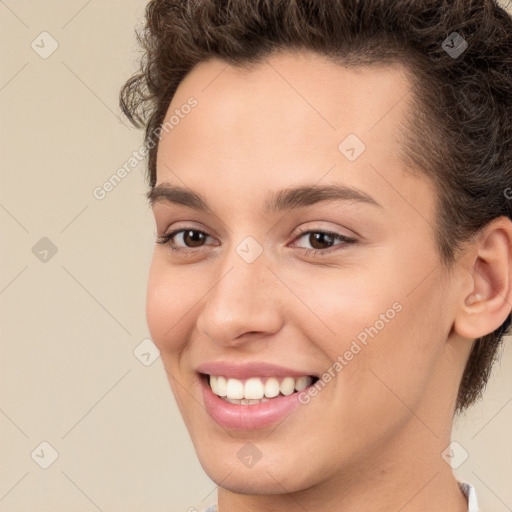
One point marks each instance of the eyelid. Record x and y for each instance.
(345, 240)
(167, 237)
(318, 229)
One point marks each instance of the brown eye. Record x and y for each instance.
(323, 242)
(193, 238)
(318, 240)
(183, 240)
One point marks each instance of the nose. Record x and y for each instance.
(242, 304)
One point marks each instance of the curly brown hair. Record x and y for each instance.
(459, 135)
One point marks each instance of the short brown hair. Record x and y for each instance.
(459, 135)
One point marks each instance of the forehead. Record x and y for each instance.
(299, 89)
(287, 119)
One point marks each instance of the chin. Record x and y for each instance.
(264, 477)
(257, 483)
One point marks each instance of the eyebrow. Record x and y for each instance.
(286, 199)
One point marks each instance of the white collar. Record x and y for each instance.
(469, 491)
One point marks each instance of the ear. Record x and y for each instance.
(489, 300)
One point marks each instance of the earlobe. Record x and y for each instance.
(489, 302)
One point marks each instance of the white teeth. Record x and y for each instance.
(235, 389)
(271, 387)
(218, 385)
(256, 390)
(253, 389)
(301, 383)
(245, 401)
(222, 385)
(287, 387)
(232, 401)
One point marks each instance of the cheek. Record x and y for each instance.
(169, 301)
(388, 347)
(377, 318)
(169, 313)
(350, 305)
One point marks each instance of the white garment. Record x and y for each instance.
(467, 489)
(470, 493)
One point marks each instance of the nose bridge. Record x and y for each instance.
(241, 299)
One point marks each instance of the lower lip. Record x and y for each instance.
(247, 417)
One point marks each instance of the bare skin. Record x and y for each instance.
(372, 438)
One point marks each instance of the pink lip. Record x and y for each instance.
(247, 417)
(247, 370)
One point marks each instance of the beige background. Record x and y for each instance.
(69, 325)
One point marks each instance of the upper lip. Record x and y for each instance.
(249, 369)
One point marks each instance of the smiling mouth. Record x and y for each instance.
(256, 390)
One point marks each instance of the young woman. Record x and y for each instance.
(332, 275)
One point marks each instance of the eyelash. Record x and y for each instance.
(166, 239)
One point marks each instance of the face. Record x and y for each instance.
(338, 290)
